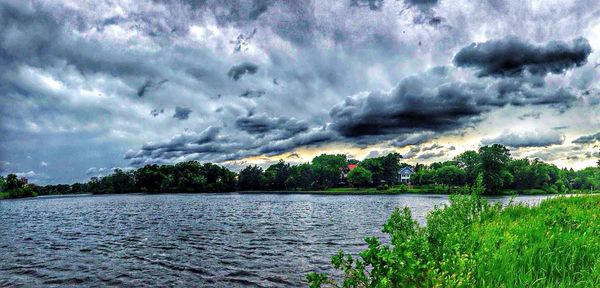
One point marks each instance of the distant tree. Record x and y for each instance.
(276, 176)
(12, 182)
(450, 175)
(391, 165)
(470, 162)
(521, 172)
(2, 184)
(375, 166)
(494, 161)
(327, 169)
(301, 177)
(149, 179)
(360, 177)
(122, 182)
(251, 178)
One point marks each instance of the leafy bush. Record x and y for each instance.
(471, 243)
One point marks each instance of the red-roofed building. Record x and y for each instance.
(344, 172)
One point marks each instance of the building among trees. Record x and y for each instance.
(404, 174)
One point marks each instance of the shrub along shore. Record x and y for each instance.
(500, 173)
(471, 243)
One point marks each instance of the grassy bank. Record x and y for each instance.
(436, 189)
(471, 243)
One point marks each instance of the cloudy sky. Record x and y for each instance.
(87, 86)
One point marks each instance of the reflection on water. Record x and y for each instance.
(201, 240)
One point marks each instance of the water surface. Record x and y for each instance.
(216, 240)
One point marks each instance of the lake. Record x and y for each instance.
(220, 240)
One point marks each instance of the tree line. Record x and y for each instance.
(492, 164)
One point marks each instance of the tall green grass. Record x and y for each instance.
(471, 243)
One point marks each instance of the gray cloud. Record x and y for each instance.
(149, 86)
(237, 71)
(412, 139)
(374, 5)
(412, 152)
(253, 93)
(512, 57)
(261, 124)
(526, 139)
(182, 113)
(430, 155)
(63, 67)
(587, 139)
(421, 3)
(407, 108)
(155, 112)
(534, 115)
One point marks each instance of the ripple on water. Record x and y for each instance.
(222, 240)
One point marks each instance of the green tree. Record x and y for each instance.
(12, 182)
(360, 177)
(2, 184)
(327, 169)
(122, 182)
(450, 175)
(276, 176)
(301, 177)
(149, 179)
(251, 178)
(494, 161)
(470, 162)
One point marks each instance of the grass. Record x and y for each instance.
(555, 244)
(4, 195)
(471, 243)
(438, 189)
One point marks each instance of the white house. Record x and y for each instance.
(404, 174)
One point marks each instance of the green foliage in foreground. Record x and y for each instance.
(471, 243)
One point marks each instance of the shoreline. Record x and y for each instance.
(315, 192)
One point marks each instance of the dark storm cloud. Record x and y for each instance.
(309, 138)
(252, 93)
(374, 5)
(518, 92)
(182, 113)
(211, 145)
(529, 139)
(237, 71)
(407, 108)
(156, 112)
(587, 139)
(150, 85)
(512, 57)
(261, 124)
(421, 3)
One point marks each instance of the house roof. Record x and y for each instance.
(406, 170)
(352, 166)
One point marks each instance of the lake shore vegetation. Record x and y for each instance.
(471, 243)
(501, 174)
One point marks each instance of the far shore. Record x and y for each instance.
(345, 192)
